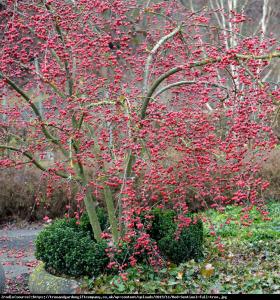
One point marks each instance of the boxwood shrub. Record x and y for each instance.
(66, 249)
(188, 246)
(70, 249)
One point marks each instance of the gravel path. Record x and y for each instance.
(17, 257)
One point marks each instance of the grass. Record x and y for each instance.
(244, 260)
(249, 262)
(259, 230)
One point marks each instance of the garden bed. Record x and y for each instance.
(248, 262)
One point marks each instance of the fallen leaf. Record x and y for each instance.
(208, 270)
(180, 275)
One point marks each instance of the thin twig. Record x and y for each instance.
(33, 160)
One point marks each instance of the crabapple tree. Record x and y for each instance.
(140, 105)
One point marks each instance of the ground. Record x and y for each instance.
(17, 255)
(247, 261)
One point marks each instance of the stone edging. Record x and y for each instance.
(42, 282)
(2, 279)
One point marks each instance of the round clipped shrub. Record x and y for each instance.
(189, 244)
(67, 250)
(163, 222)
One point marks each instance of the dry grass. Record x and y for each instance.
(23, 196)
(271, 172)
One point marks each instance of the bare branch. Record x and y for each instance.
(101, 103)
(32, 105)
(258, 81)
(37, 72)
(179, 83)
(258, 57)
(153, 52)
(170, 86)
(70, 83)
(33, 160)
(47, 134)
(201, 63)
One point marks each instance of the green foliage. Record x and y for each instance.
(259, 230)
(248, 264)
(163, 222)
(188, 246)
(67, 250)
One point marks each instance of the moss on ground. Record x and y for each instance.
(41, 282)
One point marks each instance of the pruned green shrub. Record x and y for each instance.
(189, 244)
(65, 249)
(69, 248)
(163, 222)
